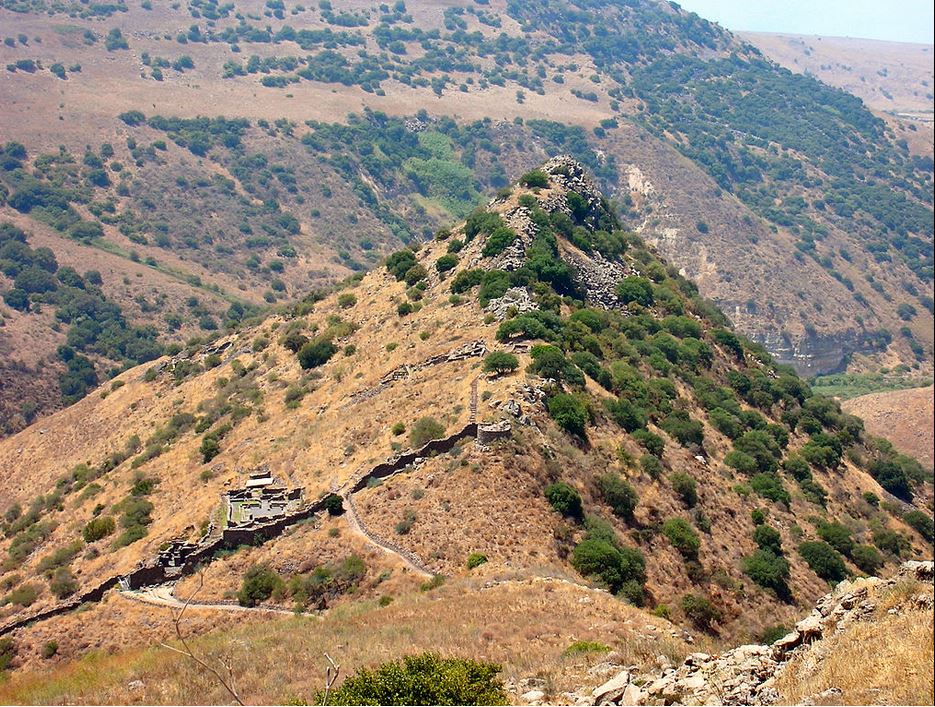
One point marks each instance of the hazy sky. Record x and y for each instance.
(895, 20)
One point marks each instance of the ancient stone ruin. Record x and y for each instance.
(261, 499)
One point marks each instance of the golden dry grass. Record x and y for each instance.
(525, 625)
(887, 661)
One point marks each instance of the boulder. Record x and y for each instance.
(611, 690)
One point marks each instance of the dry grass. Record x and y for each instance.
(525, 625)
(888, 661)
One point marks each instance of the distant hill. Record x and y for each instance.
(211, 161)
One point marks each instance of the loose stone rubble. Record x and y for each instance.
(747, 674)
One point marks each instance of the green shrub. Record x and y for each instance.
(564, 499)
(569, 412)
(49, 650)
(618, 494)
(649, 441)
(635, 289)
(424, 430)
(611, 564)
(446, 262)
(770, 486)
(7, 653)
(921, 523)
(682, 428)
(768, 570)
(700, 611)
(63, 583)
(476, 559)
(316, 352)
(25, 594)
(682, 536)
(498, 241)
(397, 429)
(768, 538)
(346, 300)
(426, 679)
(258, 585)
(535, 179)
(867, 558)
(500, 362)
(579, 647)
(685, 486)
(824, 560)
(837, 536)
(651, 465)
(772, 634)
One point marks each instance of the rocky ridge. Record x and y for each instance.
(748, 674)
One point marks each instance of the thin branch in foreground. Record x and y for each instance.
(228, 683)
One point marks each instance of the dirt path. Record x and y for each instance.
(162, 595)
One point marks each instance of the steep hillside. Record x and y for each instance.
(640, 445)
(230, 148)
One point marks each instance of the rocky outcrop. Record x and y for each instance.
(515, 300)
(747, 674)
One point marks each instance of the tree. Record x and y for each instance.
(334, 504)
(768, 570)
(618, 494)
(258, 585)
(446, 262)
(837, 536)
(635, 289)
(500, 362)
(426, 679)
(824, 560)
(569, 412)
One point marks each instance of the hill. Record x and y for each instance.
(889, 77)
(230, 151)
(531, 394)
(905, 417)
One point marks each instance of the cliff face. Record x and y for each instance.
(812, 353)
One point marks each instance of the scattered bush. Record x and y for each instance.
(682, 536)
(258, 585)
(98, 528)
(426, 679)
(768, 538)
(700, 611)
(921, 523)
(618, 494)
(424, 430)
(824, 560)
(867, 558)
(685, 486)
(476, 559)
(316, 352)
(564, 499)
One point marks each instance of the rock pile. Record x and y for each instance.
(747, 674)
(514, 300)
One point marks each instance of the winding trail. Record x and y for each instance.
(163, 595)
